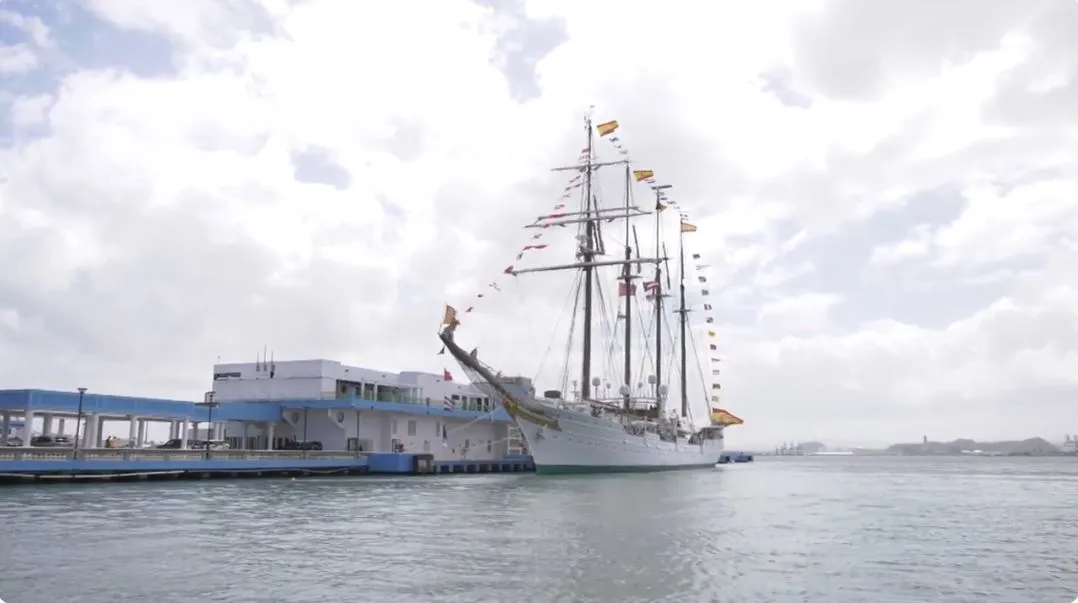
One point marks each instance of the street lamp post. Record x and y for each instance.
(210, 404)
(305, 409)
(78, 423)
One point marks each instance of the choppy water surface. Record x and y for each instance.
(780, 530)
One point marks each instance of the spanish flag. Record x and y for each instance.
(607, 127)
(643, 174)
(450, 315)
(724, 417)
(686, 227)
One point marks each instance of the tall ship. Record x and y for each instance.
(596, 428)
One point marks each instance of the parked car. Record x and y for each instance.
(51, 441)
(13, 442)
(176, 443)
(301, 445)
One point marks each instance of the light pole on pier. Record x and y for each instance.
(78, 422)
(210, 404)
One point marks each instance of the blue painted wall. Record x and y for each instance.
(120, 466)
(19, 400)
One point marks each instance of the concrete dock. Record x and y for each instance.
(23, 465)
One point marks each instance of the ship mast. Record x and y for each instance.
(684, 312)
(626, 288)
(589, 246)
(587, 255)
(659, 292)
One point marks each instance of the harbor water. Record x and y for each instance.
(835, 529)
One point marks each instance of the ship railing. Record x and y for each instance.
(168, 454)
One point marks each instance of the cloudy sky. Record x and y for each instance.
(886, 192)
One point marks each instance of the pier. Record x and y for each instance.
(22, 465)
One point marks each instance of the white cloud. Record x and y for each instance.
(805, 313)
(159, 222)
(16, 59)
(32, 27)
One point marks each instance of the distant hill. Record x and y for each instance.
(1031, 446)
(812, 447)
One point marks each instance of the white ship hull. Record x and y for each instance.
(581, 443)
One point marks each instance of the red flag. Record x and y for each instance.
(446, 375)
(626, 289)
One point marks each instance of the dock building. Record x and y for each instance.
(352, 408)
(262, 410)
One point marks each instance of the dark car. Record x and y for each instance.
(176, 443)
(50, 441)
(301, 445)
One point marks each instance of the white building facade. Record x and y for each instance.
(353, 408)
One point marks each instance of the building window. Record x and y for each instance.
(393, 426)
(360, 445)
(411, 428)
(488, 445)
(455, 397)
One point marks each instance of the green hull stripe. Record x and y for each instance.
(580, 469)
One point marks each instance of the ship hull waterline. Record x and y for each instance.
(571, 442)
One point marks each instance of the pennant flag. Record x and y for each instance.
(626, 289)
(643, 174)
(714, 348)
(724, 417)
(707, 307)
(705, 292)
(709, 320)
(703, 279)
(716, 386)
(714, 398)
(447, 404)
(716, 359)
(450, 316)
(711, 334)
(696, 256)
(715, 371)
(686, 227)
(607, 128)
(446, 375)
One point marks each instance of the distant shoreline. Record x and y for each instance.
(1031, 447)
